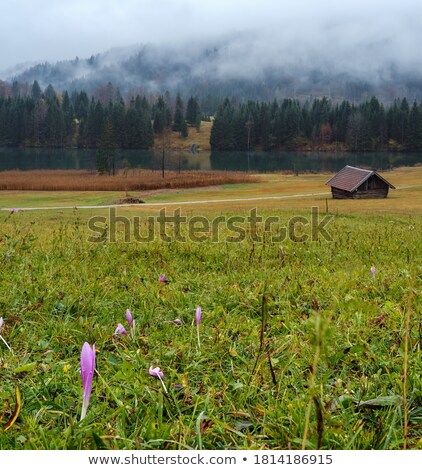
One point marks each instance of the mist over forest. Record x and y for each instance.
(239, 65)
(305, 73)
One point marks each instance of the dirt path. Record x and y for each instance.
(183, 203)
(180, 203)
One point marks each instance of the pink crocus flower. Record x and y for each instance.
(163, 278)
(120, 330)
(87, 374)
(157, 372)
(198, 321)
(129, 318)
(198, 315)
(373, 271)
(14, 210)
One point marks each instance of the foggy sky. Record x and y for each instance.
(351, 36)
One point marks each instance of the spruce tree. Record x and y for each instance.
(178, 115)
(106, 153)
(68, 115)
(36, 91)
(50, 93)
(161, 115)
(193, 112)
(184, 129)
(415, 128)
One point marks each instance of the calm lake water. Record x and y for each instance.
(31, 159)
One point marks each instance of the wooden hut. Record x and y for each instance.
(357, 183)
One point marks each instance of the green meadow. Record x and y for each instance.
(301, 345)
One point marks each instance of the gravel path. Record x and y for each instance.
(180, 203)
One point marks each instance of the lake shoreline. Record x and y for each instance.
(178, 161)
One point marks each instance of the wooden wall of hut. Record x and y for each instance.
(378, 193)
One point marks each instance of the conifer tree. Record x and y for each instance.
(178, 115)
(415, 128)
(184, 129)
(36, 91)
(161, 116)
(106, 153)
(50, 93)
(193, 112)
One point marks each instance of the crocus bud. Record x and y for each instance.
(87, 374)
(198, 315)
(129, 318)
(120, 330)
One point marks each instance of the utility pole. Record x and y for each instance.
(162, 164)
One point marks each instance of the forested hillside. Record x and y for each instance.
(39, 118)
(318, 124)
(225, 68)
(48, 118)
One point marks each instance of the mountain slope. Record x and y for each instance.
(224, 69)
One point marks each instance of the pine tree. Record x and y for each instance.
(106, 153)
(222, 130)
(265, 127)
(404, 122)
(68, 115)
(118, 118)
(36, 91)
(184, 129)
(161, 116)
(178, 115)
(193, 112)
(55, 124)
(415, 128)
(358, 135)
(50, 93)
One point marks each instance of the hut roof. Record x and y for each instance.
(350, 178)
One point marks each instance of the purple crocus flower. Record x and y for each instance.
(163, 278)
(156, 372)
(129, 318)
(14, 210)
(1, 323)
(373, 271)
(87, 374)
(198, 315)
(120, 330)
(198, 321)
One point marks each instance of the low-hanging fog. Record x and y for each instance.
(156, 45)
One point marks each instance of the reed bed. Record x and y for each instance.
(132, 180)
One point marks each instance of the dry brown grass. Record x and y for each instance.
(132, 180)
